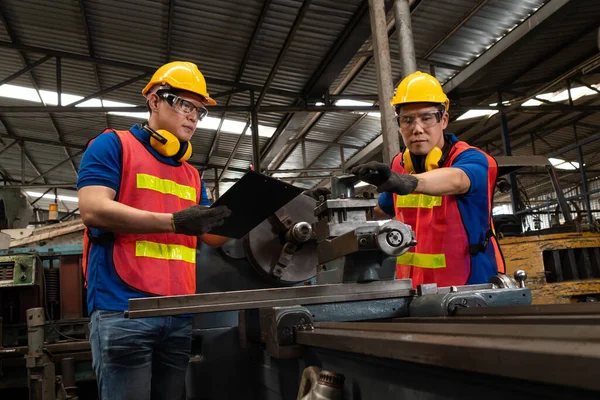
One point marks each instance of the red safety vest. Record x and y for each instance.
(443, 252)
(158, 263)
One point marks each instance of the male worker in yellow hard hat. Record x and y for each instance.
(440, 186)
(144, 207)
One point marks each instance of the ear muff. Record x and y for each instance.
(432, 161)
(407, 161)
(167, 144)
(164, 142)
(184, 153)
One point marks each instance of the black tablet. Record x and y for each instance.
(252, 200)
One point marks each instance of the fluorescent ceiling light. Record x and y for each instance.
(562, 95)
(476, 114)
(347, 102)
(562, 164)
(360, 184)
(51, 197)
(50, 98)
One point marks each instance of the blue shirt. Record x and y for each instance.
(473, 208)
(101, 166)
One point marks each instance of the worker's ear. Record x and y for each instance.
(153, 101)
(445, 119)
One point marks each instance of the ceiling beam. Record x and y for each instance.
(26, 69)
(136, 67)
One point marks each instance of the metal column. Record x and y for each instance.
(385, 89)
(584, 186)
(405, 36)
(514, 190)
(255, 141)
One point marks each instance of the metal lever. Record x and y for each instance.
(520, 276)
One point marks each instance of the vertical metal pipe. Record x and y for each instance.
(514, 190)
(255, 137)
(385, 89)
(432, 70)
(342, 159)
(405, 37)
(217, 195)
(59, 80)
(22, 163)
(304, 162)
(584, 187)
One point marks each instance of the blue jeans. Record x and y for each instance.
(142, 359)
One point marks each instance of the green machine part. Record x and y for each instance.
(17, 270)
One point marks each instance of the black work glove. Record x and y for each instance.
(198, 220)
(316, 192)
(386, 180)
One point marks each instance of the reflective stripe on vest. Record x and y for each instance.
(165, 186)
(418, 201)
(422, 260)
(163, 251)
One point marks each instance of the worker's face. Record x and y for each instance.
(178, 114)
(422, 127)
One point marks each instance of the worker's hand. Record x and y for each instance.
(198, 220)
(373, 172)
(386, 180)
(316, 192)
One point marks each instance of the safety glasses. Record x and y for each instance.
(426, 119)
(184, 106)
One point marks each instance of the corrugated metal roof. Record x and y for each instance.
(216, 35)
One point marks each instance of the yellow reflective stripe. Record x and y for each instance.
(165, 186)
(418, 201)
(422, 260)
(163, 251)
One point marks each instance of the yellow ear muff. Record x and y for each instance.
(433, 158)
(431, 161)
(185, 152)
(407, 160)
(164, 142)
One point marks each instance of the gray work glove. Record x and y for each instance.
(386, 180)
(316, 192)
(198, 220)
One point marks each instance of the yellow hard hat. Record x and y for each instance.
(181, 75)
(420, 87)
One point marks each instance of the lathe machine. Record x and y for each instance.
(306, 306)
